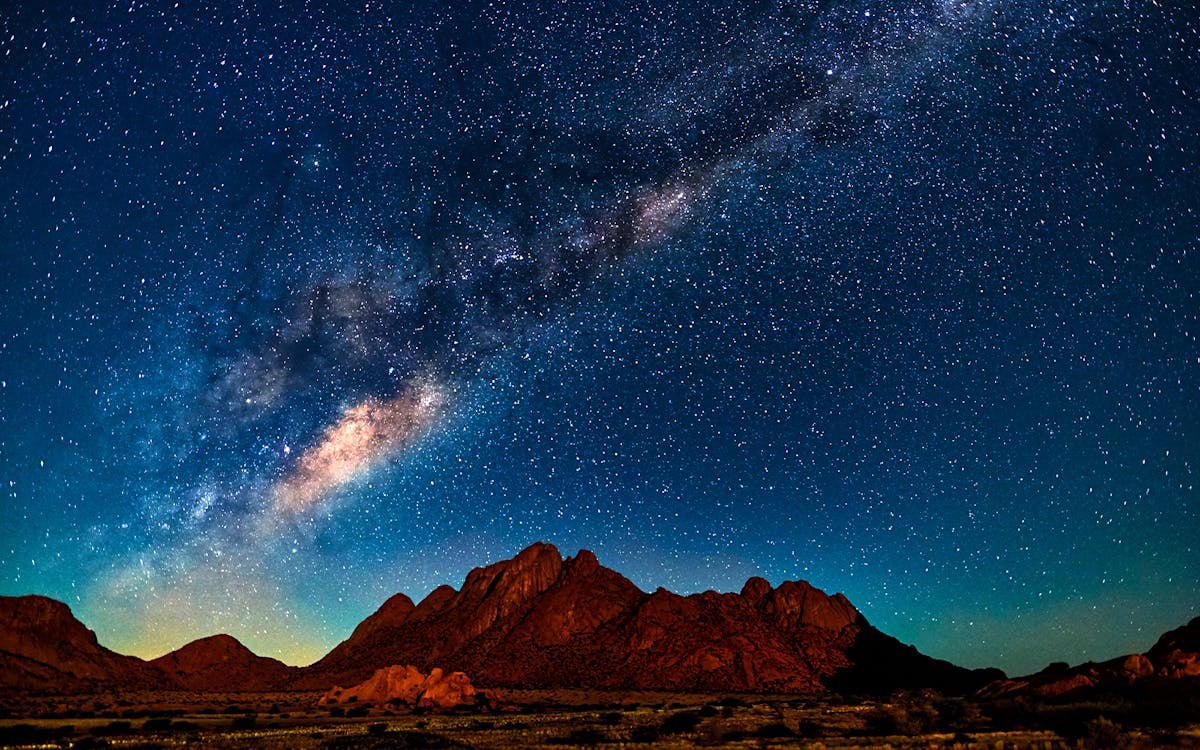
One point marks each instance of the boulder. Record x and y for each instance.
(408, 686)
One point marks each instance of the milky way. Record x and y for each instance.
(307, 306)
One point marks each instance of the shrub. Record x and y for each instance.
(23, 734)
(114, 727)
(405, 740)
(1101, 734)
(680, 723)
(809, 729)
(908, 714)
(644, 734)
(774, 731)
(156, 725)
(585, 736)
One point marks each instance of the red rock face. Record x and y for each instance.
(44, 648)
(540, 621)
(221, 663)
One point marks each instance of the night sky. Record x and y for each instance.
(303, 306)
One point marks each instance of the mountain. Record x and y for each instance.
(535, 621)
(220, 663)
(43, 646)
(1172, 665)
(539, 621)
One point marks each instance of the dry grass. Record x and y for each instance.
(563, 719)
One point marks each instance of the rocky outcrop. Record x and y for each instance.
(406, 686)
(1172, 664)
(1176, 655)
(222, 663)
(539, 621)
(44, 648)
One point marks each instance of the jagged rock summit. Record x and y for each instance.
(222, 663)
(541, 621)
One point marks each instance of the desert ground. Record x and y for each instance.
(590, 719)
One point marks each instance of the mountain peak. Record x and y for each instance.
(221, 662)
(391, 614)
(538, 558)
(507, 583)
(220, 643)
(755, 589)
(25, 616)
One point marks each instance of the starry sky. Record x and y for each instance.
(302, 305)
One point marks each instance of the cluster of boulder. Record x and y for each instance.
(408, 687)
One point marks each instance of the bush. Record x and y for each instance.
(644, 734)
(1101, 734)
(809, 729)
(774, 731)
(585, 736)
(406, 740)
(113, 727)
(908, 714)
(23, 734)
(156, 725)
(242, 722)
(680, 723)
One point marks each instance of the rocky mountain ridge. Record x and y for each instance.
(542, 621)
